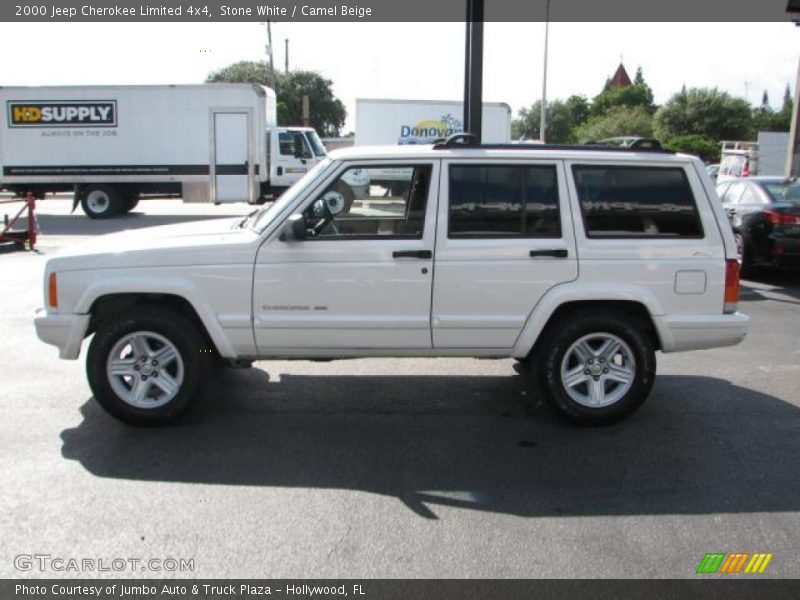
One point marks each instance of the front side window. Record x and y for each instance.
(362, 204)
(488, 201)
(624, 202)
(293, 143)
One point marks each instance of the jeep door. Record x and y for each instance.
(362, 276)
(505, 237)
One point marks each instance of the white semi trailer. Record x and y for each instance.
(111, 144)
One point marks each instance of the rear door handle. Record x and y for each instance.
(559, 253)
(412, 254)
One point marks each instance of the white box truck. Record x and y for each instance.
(382, 122)
(111, 144)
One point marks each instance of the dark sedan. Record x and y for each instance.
(765, 215)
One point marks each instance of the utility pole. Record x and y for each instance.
(473, 70)
(287, 56)
(268, 49)
(543, 115)
(793, 151)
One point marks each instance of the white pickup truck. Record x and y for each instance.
(581, 262)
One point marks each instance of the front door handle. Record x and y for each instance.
(556, 253)
(412, 254)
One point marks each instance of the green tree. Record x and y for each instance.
(699, 145)
(326, 112)
(705, 111)
(630, 95)
(783, 118)
(617, 121)
(563, 116)
(245, 71)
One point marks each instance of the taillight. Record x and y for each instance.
(52, 290)
(781, 218)
(731, 286)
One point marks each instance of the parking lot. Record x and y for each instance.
(399, 467)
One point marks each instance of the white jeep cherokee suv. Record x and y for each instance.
(579, 261)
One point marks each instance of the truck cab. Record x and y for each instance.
(295, 150)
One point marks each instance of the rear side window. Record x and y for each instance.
(624, 202)
(488, 201)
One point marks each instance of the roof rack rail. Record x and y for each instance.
(629, 141)
(467, 140)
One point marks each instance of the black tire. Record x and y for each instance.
(130, 202)
(595, 326)
(347, 193)
(746, 268)
(101, 201)
(190, 345)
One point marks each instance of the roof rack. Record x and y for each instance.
(467, 140)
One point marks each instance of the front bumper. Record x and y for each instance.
(66, 332)
(695, 332)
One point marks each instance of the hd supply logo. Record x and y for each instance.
(733, 563)
(66, 113)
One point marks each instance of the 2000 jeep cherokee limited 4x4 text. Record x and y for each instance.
(581, 262)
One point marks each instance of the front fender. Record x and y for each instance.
(110, 285)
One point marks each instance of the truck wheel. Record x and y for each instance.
(347, 193)
(131, 200)
(147, 367)
(101, 202)
(597, 367)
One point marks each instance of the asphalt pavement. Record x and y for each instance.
(397, 467)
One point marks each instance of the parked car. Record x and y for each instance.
(737, 159)
(579, 262)
(765, 215)
(713, 171)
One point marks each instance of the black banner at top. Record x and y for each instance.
(395, 11)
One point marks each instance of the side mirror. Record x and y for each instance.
(295, 229)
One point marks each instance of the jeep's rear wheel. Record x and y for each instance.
(146, 367)
(598, 367)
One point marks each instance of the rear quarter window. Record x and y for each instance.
(636, 202)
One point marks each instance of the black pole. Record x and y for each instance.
(473, 69)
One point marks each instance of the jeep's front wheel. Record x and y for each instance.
(598, 368)
(146, 367)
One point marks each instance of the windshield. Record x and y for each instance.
(783, 191)
(316, 143)
(265, 215)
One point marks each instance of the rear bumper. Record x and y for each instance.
(694, 332)
(66, 332)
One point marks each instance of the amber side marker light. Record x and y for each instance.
(52, 290)
(731, 286)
